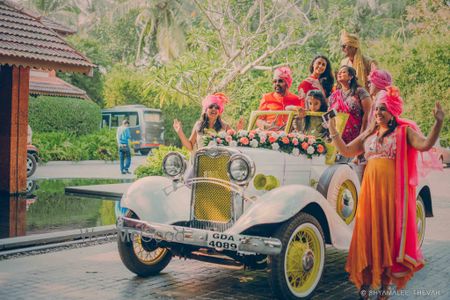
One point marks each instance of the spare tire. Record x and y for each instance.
(339, 184)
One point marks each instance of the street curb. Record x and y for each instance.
(81, 162)
(81, 234)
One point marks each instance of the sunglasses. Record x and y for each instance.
(278, 81)
(344, 46)
(213, 106)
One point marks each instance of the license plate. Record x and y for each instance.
(223, 241)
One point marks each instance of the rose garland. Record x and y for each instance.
(292, 143)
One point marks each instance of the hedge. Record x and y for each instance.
(100, 145)
(71, 115)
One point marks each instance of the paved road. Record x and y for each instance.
(96, 272)
(86, 169)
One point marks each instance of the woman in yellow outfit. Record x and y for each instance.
(384, 247)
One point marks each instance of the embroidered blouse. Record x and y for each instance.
(373, 148)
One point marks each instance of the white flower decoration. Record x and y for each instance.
(242, 133)
(296, 152)
(254, 143)
(212, 143)
(310, 150)
(222, 134)
(233, 144)
(275, 146)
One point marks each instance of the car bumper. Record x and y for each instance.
(199, 237)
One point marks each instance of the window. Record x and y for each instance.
(118, 117)
(152, 116)
(106, 120)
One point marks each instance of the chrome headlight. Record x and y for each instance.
(241, 169)
(174, 165)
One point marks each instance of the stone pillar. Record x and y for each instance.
(14, 86)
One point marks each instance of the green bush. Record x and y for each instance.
(153, 165)
(74, 116)
(100, 145)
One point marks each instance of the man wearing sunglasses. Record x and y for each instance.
(354, 58)
(280, 99)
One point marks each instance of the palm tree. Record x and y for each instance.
(161, 25)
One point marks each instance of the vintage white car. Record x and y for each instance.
(253, 198)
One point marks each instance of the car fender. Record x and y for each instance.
(283, 203)
(154, 199)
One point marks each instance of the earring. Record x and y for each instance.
(391, 122)
(349, 82)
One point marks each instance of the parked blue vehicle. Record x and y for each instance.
(146, 125)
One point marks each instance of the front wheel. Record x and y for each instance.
(297, 270)
(31, 164)
(141, 256)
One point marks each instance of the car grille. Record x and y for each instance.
(212, 203)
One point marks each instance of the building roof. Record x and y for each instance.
(46, 83)
(26, 41)
(56, 26)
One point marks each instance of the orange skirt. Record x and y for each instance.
(371, 249)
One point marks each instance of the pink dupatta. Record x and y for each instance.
(407, 255)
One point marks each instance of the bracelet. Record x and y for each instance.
(334, 135)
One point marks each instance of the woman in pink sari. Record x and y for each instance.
(352, 99)
(384, 247)
(321, 78)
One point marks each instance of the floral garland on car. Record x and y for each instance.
(292, 143)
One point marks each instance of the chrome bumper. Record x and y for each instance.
(200, 237)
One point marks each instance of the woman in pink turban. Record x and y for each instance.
(384, 247)
(210, 122)
(378, 81)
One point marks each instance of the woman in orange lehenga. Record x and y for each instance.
(384, 247)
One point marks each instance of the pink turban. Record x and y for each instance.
(218, 98)
(393, 101)
(380, 78)
(285, 74)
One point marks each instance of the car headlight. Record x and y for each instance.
(241, 169)
(174, 165)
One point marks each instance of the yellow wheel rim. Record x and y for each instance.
(346, 202)
(144, 256)
(420, 220)
(304, 259)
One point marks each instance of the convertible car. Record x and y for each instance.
(261, 198)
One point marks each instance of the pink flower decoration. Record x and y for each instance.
(231, 132)
(291, 135)
(228, 138)
(285, 140)
(305, 145)
(263, 140)
(251, 135)
(219, 141)
(320, 148)
(295, 141)
(272, 139)
(244, 141)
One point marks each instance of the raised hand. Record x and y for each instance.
(240, 124)
(177, 126)
(438, 112)
(301, 112)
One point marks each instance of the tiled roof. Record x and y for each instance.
(46, 83)
(26, 41)
(56, 26)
